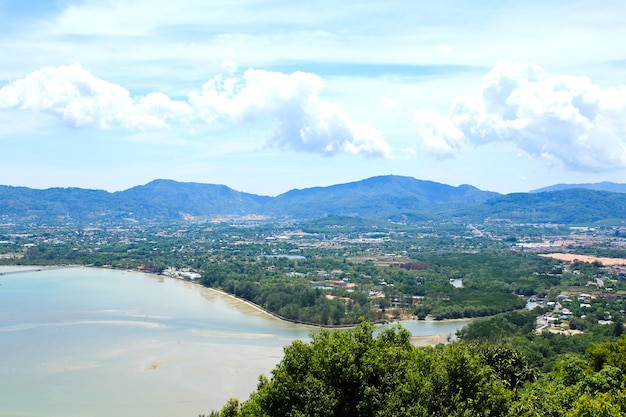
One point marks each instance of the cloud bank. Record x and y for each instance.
(80, 99)
(302, 121)
(563, 118)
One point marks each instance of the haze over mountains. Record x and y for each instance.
(386, 197)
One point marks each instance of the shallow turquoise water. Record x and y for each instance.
(97, 342)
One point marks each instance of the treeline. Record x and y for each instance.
(467, 303)
(499, 271)
(541, 350)
(354, 373)
(290, 298)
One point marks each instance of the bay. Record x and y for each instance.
(96, 342)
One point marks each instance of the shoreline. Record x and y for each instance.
(419, 340)
(245, 302)
(338, 326)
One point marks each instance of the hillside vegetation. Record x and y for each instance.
(401, 199)
(354, 373)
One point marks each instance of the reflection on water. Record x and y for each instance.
(96, 342)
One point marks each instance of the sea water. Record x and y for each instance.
(97, 342)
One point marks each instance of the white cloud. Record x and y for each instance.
(438, 135)
(81, 100)
(304, 122)
(563, 118)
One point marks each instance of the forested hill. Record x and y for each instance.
(387, 197)
(377, 197)
(600, 186)
(569, 206)
(171, 199)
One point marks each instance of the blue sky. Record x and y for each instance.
(267, 96)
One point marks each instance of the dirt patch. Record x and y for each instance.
(571, 257)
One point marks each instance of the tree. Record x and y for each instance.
(351, 372)
(578, 387)
(509, 364)
(609, 353)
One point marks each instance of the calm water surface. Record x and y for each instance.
(95, 342)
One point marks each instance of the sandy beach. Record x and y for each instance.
(425, 340)
(240, 300)
(430, 340)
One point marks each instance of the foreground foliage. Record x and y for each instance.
(542, 350)
(356, 373)
(352, 372)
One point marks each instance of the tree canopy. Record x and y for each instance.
(356, 372)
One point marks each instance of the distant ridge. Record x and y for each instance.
(378, 197)
(167, 198)
(599, 186)
(390, 197)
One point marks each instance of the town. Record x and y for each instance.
(344, 268)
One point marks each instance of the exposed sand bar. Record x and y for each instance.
(570, 257)
(430, 340)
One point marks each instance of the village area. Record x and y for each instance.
(384, 270)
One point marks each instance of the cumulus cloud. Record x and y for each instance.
(438, 135)
(303, 121)
(563, 118)
(83, 100)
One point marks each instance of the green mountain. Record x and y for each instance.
(378, 197)
(570, 206)
(171, 200)
(55, 203)
(386, 197)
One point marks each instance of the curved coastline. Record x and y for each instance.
(417, 340)
(106, 350)
(437, 338)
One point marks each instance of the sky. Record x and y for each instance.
(268, 96)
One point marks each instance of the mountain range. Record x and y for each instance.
(599, 186)
(386, 197)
